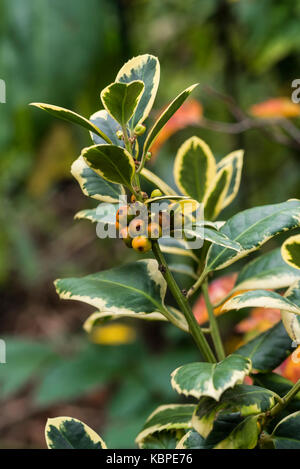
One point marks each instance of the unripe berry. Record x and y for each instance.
(154, 231)
(139, 129)
(136, 227)
(141, 244)
(125, 236)
(148, 155)
(156, 193)
(119, 134)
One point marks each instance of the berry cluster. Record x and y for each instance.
(136, 225)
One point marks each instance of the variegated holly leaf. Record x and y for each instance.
(278, 384)
(192, 440)
(93, 185)
(260, 299)
(291, 321)
(121, 99)
(165, 116)
(194, 168)
(157, 182)
(235, 161)
(176, 247)
(244, 435)
(99, 318)
(147, 69)
(261, 349)
(69, 433)
(135, 288)
(109, 127)
(266, 271)
(112, 163)
(71, 116)
(215, 196)
(241, 401)
(104, 214)
(251, 229)
(207, 234)
(286, 434)
(290, 251)
(166, 417)
(210, 379)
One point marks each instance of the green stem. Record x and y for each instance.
(215, 332)
(197, 284)
(183, 304)
(285, 400)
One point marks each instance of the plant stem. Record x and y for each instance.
(285, 400)
(215, 332)
(182, 302)
(196, 285)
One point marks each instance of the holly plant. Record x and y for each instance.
(221, 409)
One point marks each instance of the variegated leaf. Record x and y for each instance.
(192, 440)
(147, 69)
(121, 99)
(157, 182)
(244, 436)
(165, 116)
(241, 401)
(291, 321)
(108, 125)
(210, 379)
(98, 215)
(69, 433)
(267, 271)
(70, 116)
(207, 234)
(93, 185)
(135, 288)
(286, 434)
(166, 417)
(260, 299)
(261, 349)
(194, 168)
(251, 229)
(112, 163)
(290, 251)
(177, 247)
(214, 197)
(235, 161)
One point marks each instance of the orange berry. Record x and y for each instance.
(136, 227)
(154, 231)
(141, 244)
(133, 198)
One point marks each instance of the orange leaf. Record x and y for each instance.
(188, 114)
(275, 108)
(260, 320)
(217, 290)
(290, 368)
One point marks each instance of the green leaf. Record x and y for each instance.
(267, 271)
(244, 436)
(260, 299)
(93, 185)
(241, 401)
(109, 127)
(167, 417)
(70, 116)
(112, 163)
(165, 116)
(210, 379)
(192, 440)
(162, 440)
(138, 287)
(147, 69)
(194, 168)
(290, 251)
(98, 318)
(215, 237)
(286, 434)
(121, 99)
(69, 433)
(235, 161)
(291, 321)
(177, 247)
(252, 228)
(261, 349)
(279, 385)
(214, 198)
(157, 182)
